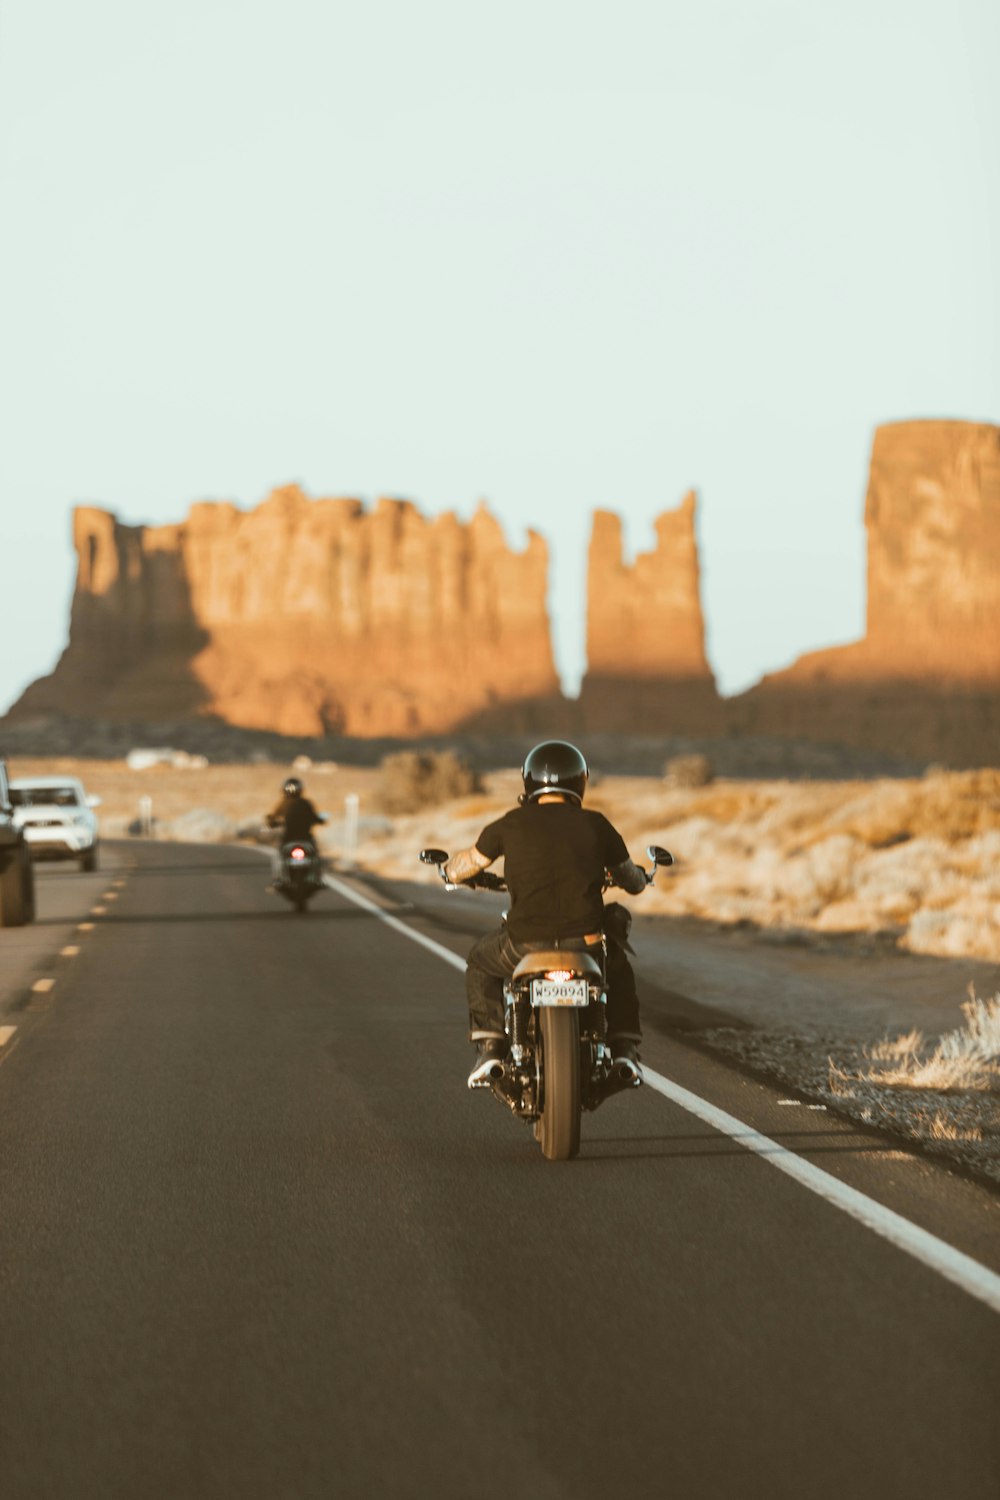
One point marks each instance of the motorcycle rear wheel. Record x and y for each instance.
(558, 1130)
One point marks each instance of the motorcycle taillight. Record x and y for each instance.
(298, 854)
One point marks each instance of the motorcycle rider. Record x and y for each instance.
(294, 814)
(555, 854)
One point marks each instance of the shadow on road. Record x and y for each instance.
(351, 914)
(256, 869)
(801, 1142)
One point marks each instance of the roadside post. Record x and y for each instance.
(352, 802)
(145, 815)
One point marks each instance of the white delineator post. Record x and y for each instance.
(352, 802)
(145, 816)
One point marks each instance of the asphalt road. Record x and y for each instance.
(257, 1239)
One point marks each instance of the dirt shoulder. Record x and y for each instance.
(833, 1024)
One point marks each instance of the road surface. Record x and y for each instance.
(258, 1240)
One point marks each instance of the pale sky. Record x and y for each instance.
(554, 255)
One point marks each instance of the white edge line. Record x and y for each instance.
(960, 1269)
(394, 922)
(6, 1032)
(957, 1267)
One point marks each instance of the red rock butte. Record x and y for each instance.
(925, 680)
(314, 617)
(647, 671)
(302, 616)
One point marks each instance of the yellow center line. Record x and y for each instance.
(42, 986)
(68, 952)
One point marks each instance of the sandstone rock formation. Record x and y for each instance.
(303, 616)
(925, 681)
(314, 617)
(646, 665)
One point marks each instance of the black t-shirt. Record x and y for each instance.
(555, 855)
(298, 815)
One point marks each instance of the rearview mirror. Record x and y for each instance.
(660, 856)
(434, 856)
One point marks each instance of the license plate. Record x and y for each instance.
(559, 992)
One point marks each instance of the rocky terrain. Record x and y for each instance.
(488, 749)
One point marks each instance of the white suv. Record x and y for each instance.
(57, 818)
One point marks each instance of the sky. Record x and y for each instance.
(557, 256)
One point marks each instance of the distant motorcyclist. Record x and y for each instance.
(294, 814)
(296, 817)
(556, 855)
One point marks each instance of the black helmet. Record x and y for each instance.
(554, 766)
(292, 787)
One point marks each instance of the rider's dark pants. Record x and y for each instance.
(495, 957)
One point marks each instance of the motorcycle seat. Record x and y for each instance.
(558, 958)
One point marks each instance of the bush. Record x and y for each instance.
(688, 770)
(413, 779)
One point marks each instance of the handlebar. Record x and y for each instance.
(485, 881)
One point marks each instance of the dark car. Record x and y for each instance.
(17, 879)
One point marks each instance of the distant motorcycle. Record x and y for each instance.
(555, 1016)
(300, 873)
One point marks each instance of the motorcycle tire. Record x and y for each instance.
(301, 902)
(559, 1126)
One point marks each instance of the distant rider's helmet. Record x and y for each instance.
(292, 787)
(554, 766)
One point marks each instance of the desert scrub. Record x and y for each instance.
(414, 779)
(946, 805)
(944, 1094)
(967, 1058)
(688, 771)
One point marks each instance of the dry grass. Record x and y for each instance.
(943, 1096)
(966, 1060)
(941, 1128)
(945, 1093)
(413, 779)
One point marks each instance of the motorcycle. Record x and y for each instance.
(558, 1062)
(300, 873)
